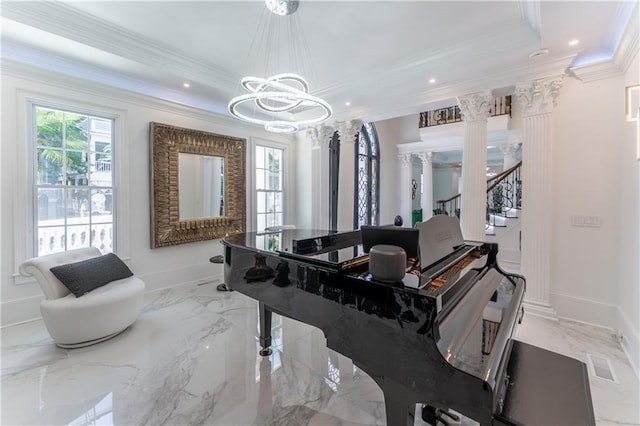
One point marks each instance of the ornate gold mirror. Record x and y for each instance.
(198, 185)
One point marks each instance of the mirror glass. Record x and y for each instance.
(201, 186)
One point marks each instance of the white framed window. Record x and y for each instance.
(270, 186)
(72, 180)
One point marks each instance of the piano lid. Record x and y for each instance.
(440, 236)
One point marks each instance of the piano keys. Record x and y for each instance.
(447, 343)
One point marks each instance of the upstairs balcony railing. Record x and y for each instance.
(447, 115)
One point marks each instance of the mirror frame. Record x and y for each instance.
(166, 142)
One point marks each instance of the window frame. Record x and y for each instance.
(373, 214)
(286, 181)
(65, 187)
(24, 202)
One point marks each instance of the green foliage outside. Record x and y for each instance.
(56, 130)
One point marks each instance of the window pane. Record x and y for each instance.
(274, 157)
(260, 184)
(274, 180)
(270, 201)
(260, 157)
(76, 131)
(101, 205)
(77, 237)
(77, 168)
(51, 240)
(78, 206)
(262, 202)
(50, 207)
(277, 202)
(102, 235)
(49, 127)
(49, 166)
(262, 222)
(101, 165)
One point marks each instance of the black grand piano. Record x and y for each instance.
(441, 337)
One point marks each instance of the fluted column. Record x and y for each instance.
(509, 150)
(537, 101)
(320, 137)
(346, 190)
(473, 208)
(427, 184)
(404, 209)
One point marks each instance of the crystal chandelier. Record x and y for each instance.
(281, 101)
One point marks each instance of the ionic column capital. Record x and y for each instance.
(539, 96)
(475, 106)
(320, 135)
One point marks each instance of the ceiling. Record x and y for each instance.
(377, 55)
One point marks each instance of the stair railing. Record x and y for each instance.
(504, 197)
(504, 194)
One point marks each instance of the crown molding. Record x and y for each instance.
(530, 11)
(626, 52)
(513, 34)
(66, 21)
(419, 101)
(83, 87)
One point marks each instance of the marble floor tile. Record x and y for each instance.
(192, 359)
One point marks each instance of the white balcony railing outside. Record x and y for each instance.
(52, 237)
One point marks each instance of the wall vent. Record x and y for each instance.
(600, 366)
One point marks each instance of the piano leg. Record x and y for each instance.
(398, 412)
(265, 329)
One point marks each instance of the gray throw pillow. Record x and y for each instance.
(86, 275)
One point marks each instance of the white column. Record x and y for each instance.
(473, 208)
(509, 150)
(537, 101)
(320, 137)
(404, 209)
(346, 189)
(427, 184)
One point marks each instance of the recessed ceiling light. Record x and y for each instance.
(186, 85)
(432, 80)
(347, 103)
(539, 52)
(574, 42)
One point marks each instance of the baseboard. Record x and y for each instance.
(190, 274)
(508, 255)
(588, 311)
(630, 339)
(27, 309)
(19, 311)
(539, 309)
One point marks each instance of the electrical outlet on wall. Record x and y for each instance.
(588, 221)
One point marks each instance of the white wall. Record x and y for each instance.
(159, 267)
(388, 131)
(628, 320)
(445, 183)
(585, 275)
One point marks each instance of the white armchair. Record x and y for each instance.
(94, 317)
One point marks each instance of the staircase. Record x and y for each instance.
(504, 198)
(504, 203)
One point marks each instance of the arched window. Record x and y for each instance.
(367, 177)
